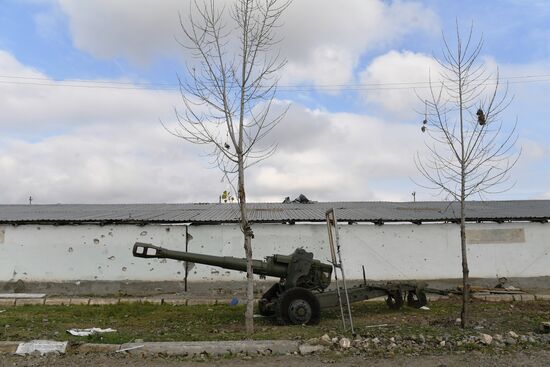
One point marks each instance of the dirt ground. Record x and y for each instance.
(531, 358)
(522, 358)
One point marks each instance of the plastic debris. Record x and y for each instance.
(375, 326)
(89, 331)
(424, 308)
(41, 346)
(2, 311)
(129, 348)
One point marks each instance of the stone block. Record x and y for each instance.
(97, 348)
(8, 347)
(177, 301)
(80, 301)
(103, 301)
(5, 302)
(57, 301)
(30, 301)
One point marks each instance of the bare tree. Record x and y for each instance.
(228, 93)
(469, 151)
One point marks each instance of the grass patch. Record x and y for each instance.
(152, 322)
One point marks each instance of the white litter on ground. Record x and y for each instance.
(89, 331)
(424, 308)
(130, 348)
(42, 346)
(2, 311)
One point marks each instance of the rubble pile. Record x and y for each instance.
(419, 343)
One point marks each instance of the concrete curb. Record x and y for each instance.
(66, 301)
(8, 347)
(185, 349)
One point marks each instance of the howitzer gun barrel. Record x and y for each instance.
(267, 268)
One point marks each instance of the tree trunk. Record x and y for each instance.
(464, 315)
(248, 235)
(465, 271)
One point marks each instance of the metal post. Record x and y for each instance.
(337, 264)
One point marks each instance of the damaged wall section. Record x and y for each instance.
(96, 253)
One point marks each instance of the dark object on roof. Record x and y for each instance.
(374, 212)
(302, 199)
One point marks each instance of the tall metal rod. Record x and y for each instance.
(337, 264)
(330, 218)
(342, 270)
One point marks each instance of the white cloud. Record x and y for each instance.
(135, 29)
(63, 144)
(341, 159)
(386, 73)
(102, 164)
(106, 146)
(322, 39)
(325, 39)
(33, 109)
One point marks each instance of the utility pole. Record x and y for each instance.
(414, 196)
(30, 200)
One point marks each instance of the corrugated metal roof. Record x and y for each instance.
(427, 211)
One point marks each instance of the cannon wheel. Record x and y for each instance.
(298, 306)
(394, 300)
(416, 299)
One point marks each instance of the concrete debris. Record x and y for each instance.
(416, 344)
(344, 343)
(486, 339)
(513, 334)
(325, 340)
(509, 341)
(129, 348)
(310, 349)
(89, 331)
(42, 347)
(214, 348)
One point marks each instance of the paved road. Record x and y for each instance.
(531, 358)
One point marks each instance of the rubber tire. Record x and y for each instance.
(416, 299)
(394, 300)
(290, 297)
(262, 310)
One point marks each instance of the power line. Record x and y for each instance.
(98, 84)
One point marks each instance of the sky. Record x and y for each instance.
(84, 85)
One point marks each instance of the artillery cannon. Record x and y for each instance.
(302, 291)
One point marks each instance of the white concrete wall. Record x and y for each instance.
(391, 251)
